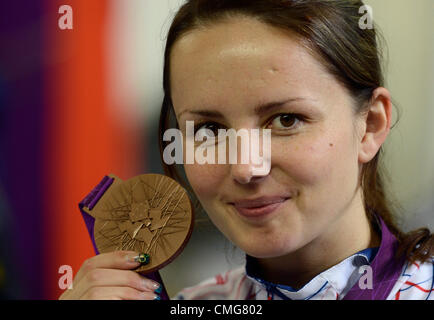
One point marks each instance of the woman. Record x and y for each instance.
(317, 224)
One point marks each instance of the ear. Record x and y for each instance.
(377, 122)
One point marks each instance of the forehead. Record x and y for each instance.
(240, 59)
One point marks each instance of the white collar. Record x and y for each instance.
(329, 284)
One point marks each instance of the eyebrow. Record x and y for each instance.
(260, 109)
(267, 107)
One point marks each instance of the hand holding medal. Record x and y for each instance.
(150, 214)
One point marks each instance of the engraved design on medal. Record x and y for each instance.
(149, 213)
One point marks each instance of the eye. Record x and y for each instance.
(285, 121)
(204, 127)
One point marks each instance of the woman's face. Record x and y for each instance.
(219, 76)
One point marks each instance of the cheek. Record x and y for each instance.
(318, 160)
(205, 180)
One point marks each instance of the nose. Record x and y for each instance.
(246, 173)
(256, 168)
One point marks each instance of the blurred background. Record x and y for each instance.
(78, 104)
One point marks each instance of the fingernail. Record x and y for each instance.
(150, 285)
(159, 289)
(132, 257)
(142, 258)
(157, 298)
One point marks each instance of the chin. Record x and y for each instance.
(270, 249)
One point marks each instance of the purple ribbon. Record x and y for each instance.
(90, 201)
(386, 269)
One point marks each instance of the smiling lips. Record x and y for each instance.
(259, 206)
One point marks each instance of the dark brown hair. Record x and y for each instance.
(330, 30)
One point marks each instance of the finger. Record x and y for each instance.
(114, 278)
(117, 293)
(112, 260)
